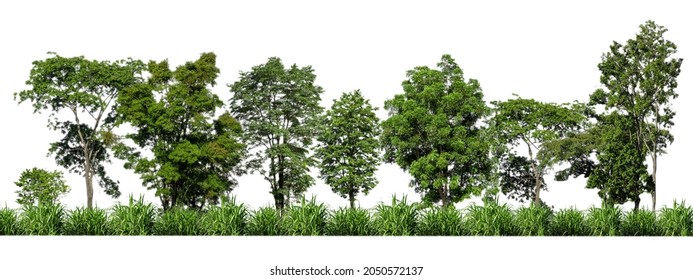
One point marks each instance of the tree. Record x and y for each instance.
(433, 131)
(532, 123)
(195, 156)
(640, 81)
(40, 186)
(86, 90)
(279, 109)
(349, 146)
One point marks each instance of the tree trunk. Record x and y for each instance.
(654, 181)
(88, 174)
(537, 175)
(637, 204)
(351, 199)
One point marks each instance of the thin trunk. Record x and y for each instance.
(88, 175)
(537, 175)
(637, 204)
(654, 181)
(351, 198)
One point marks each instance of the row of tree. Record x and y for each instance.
(190, 148)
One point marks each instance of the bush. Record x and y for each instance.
(136, 218)
(266, 221)
(397, 219)
(533, 220)
(307, 219)
(9, 223)
(178, 221)
(228, 219)
(441, 221)
(677, 220)
(568, 222)
(86, 221)
(350, 221)
(490, 220)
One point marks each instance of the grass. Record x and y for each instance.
(44, 219)
(136, 218)
(568, 222)
(640, 223)
(9, 222)
(307, 219)
(230, 218)
(350, 221)
(533, 220)
(266, 221)
(677, 220)
(604, 221)
(178, 221)
(491, 219)
(440, 221)
(399, 218)
(86, 221)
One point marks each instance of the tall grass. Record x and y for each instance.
(677, 220)
(399, 218)
(309, 218)
(640, 223)
(44, 219)
(533, 220)
(136, 218)
(178, 221)
(9, 222)
(228, 219)
(266, 221)
(490, 220)
(350, 221)
(440, 221)
(568, 222)
(86, 221)
(604, 221)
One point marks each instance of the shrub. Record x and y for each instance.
(178, 221)
(350, 221)
(44, 219)
(677, 220)
(440, 221)
(397, 219)
(640, 223)
(490, 219)
(86, 221)
(266, 221)
(604, 221)
(9, 223)
(307, 219)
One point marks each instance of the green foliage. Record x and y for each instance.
(532, 123)
(440, 221)
(309, 218)
(194, 155)
(85, 89)
(677, 220)
(9, 222)
(40, 186)
(568, 222)
(534, 220)
(86, 221)
(266, 221)
(398, 219)
(433, 132)
(178, 221)
(136, 218)
(350, 221)
(230, 218)
(43, 219)
(640, 223)
(279, 109)
(604, 221)
(492, 219)
(349, 146)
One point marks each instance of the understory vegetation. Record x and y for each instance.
(309, 217)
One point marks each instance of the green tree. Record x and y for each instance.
(434, 132)
(530, 123)
(195, 156)
(349, 150)
(640, 81)
(279, 110)
(85, 90)
(40, 186)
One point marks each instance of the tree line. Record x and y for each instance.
(189, 145)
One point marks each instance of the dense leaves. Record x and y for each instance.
(40, 186)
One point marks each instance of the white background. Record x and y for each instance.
(546, 50)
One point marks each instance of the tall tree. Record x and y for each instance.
(195, 155)
(85, 90)
(349, 149)
(279, 109)
(640, 81)
(434, 132)
(530, 123)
